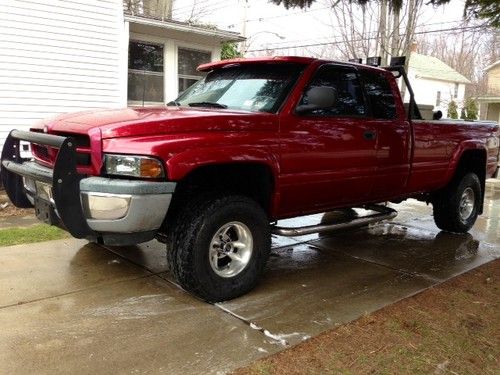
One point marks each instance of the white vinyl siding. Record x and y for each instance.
(426, 92)
(59, 56)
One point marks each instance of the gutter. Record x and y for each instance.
(228, 36)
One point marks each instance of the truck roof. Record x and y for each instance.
(253, 60)
(270, 59)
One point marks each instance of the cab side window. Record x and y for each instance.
(379, 93)
(348, 95)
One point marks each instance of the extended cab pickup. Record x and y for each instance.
(255, 141)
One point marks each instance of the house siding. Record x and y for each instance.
(59, 56)
(494, 80)
(426, 92)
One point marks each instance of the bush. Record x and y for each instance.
(229, 51)
(452, 110)
(471, 109)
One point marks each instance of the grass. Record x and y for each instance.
(453, 328)
(35, 233)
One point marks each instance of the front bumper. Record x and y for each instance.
(124, 206)
(111, 211)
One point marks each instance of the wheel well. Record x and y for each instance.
(255, 181)
(473, 161)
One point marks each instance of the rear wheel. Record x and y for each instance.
(456, 208)
(219, 247)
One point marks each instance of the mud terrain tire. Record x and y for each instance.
(456, 208)
(197, 231)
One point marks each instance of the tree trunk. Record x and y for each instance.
(395, 33)
(382, 29)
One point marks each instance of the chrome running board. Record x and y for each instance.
(382, 213)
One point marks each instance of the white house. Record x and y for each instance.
(435, 83)
(60, 56)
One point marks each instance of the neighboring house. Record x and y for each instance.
(489, 104)
(435, 83)
(61, 56)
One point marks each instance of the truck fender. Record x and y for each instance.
(457, 154)
(182, 163)
(185, 162)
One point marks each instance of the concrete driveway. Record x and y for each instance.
(72, 307)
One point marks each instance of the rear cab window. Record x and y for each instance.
(379, 94)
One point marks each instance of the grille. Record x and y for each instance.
(49, 154)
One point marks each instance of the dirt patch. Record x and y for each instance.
(7, 209)
(452, 328)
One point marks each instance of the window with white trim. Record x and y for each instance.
(188, 62)
(145, 73)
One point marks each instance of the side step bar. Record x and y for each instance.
(382, 213)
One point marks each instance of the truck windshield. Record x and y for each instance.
(253, 87)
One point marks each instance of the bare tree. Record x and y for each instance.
(468, 52)
(158, 9)
(194, 12)
(373, 28)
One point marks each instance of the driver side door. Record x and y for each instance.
(328, 155)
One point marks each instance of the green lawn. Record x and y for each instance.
(35, 233)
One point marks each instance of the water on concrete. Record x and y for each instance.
(70, 306)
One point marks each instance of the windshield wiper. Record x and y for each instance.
(207, 104)
(173, 102)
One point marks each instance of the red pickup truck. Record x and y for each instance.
(255, 141)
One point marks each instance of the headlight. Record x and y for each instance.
(135, 166)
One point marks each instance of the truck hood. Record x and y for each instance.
(128, 122)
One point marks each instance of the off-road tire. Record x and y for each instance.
(188, 249)
(446, 204)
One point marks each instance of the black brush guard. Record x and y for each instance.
(64, 179)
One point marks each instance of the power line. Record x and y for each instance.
(281, 15)
(366, 39)
(340, 26)
(191, 4)
(211, 6)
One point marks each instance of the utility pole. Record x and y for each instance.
(243, 29)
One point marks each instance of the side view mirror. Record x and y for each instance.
(318, 97)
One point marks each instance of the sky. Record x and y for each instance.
(271, 26)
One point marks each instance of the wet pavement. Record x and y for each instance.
(69, 306)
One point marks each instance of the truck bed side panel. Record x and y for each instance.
(438, 147)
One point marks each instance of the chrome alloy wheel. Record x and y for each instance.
(231, 249)
(467, 202)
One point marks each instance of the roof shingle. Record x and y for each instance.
(433, 68)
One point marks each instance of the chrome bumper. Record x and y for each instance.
(124, 206)
(112, 207)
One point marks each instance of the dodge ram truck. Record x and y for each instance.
(255, 141)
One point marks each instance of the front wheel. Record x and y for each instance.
(457, 207)
(220, 247)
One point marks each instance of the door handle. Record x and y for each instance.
(370, 135)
